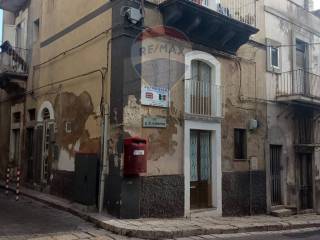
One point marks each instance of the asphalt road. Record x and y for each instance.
(29, 219)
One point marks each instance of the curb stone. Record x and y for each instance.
(182, 231)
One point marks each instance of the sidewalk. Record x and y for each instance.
(175, 228)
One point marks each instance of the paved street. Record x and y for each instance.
(29, 219)
(307, 234)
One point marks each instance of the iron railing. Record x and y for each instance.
(275, 170)
(203, 98)
(298, 82)
(13, 59)
(240, 10)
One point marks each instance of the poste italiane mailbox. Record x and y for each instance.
(135, 156)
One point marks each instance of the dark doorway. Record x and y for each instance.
(275, 173)
(30, 154)
(200, 169)
(306, 186)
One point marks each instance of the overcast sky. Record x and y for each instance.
(316, 4)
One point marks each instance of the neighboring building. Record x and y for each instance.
(15, 58)
(187, 76)
(317, 12)
(293, 80)
(56, 117)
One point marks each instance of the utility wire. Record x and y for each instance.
(54, 83)
(73, 48)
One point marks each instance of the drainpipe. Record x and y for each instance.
(104, 109)
(250, 176)
(104, 153)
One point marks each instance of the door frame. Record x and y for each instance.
(45, 123)
(282, 177)
(297, 171)
(216, 173)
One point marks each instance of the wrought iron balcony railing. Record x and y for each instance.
(13, 60)
(241, 10)
(203, 98)
(298, 83)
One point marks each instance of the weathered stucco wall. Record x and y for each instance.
(287, 21)
(4, 132)
(242, 83)
(75, 101)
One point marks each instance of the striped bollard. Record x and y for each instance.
(18, 185)
(7, 181)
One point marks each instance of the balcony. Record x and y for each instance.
(203, 99)
(298, 86)
(12, 5)
(13, 65)
(225, 26)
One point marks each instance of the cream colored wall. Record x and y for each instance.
(166, 155)
(165, 145)
(242, 85)
(77, 100)
(282, 30)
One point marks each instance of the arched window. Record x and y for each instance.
(202, 85)
(45, 114)
(200, 71)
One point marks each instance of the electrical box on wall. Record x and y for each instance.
(253, 124)
(134, 15)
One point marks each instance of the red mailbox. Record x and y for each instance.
(135, 156)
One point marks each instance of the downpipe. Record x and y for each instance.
(104, 153)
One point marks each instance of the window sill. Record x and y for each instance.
(240, 160)
(274, 70)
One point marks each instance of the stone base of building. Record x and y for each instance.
(162, 196)
(62, 184)
(243, 193)
(146, 197)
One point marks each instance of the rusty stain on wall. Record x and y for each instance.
(76, 110)
(161, 140)
(132, 117)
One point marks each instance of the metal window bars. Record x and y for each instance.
(298, 83)
(203, 98)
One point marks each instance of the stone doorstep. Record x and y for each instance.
(183, 229)
(283, 212)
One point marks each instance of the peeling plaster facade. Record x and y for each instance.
(292, 21)
(61, 114)
(58, 119)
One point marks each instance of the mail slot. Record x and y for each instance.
(135, 156)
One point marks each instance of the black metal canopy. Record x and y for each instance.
(12, 5)
(205, 26)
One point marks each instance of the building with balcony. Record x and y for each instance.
(14, 73)
(183, 75)
(292, 80)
